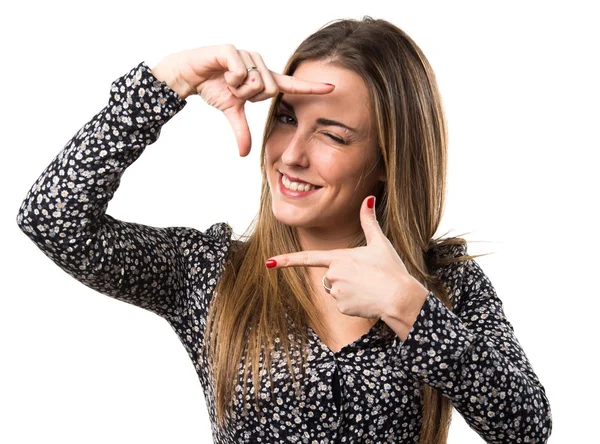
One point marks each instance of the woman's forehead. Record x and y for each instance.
(349, 100)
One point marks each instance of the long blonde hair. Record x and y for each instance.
(253, 304)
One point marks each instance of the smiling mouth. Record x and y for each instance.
(296, 186)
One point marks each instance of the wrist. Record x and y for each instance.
(403, 310)
(166, 73)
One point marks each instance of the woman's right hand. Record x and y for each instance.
(219, 74)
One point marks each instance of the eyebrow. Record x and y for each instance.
(321, 120)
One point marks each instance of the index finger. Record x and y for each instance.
(292, 85)
(314, 258)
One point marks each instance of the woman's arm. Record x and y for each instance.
(473, 357)
(64, 213)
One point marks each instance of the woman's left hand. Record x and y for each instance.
(370, 281)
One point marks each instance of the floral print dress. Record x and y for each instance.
(370, 391)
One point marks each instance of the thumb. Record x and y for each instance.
(368, 220)
(237, 119)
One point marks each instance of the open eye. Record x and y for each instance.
(285, 118)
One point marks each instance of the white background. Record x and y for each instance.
(520, 87)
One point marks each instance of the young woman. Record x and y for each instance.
(338, 318)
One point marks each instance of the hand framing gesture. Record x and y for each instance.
(369, 281)
(226, 78)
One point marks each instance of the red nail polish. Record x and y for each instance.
(271, 263)
(371, 202)
(329, 84)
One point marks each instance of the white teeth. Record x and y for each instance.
(296, 186)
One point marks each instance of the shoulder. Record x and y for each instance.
(211, 245)
(447, 261)
(459, 272)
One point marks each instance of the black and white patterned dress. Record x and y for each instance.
(368, 392)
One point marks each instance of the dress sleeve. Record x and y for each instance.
(64, 213)
(473, 357)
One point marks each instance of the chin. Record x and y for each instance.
(289, 220)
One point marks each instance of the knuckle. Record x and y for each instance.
(255, 55)
(231, 49)
(271, 91)
(307, 259)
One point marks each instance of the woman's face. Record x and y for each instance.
(320, 147)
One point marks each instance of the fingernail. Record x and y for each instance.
(371, 202)
(329, 84)
(271, 263)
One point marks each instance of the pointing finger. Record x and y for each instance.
(292, 85)
(315, 258)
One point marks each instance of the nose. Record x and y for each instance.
(296, 153)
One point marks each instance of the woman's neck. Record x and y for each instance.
(326, 239)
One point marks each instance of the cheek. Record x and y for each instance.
(330, 164)
(269, 154)
(273, 148)
(337, 170)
